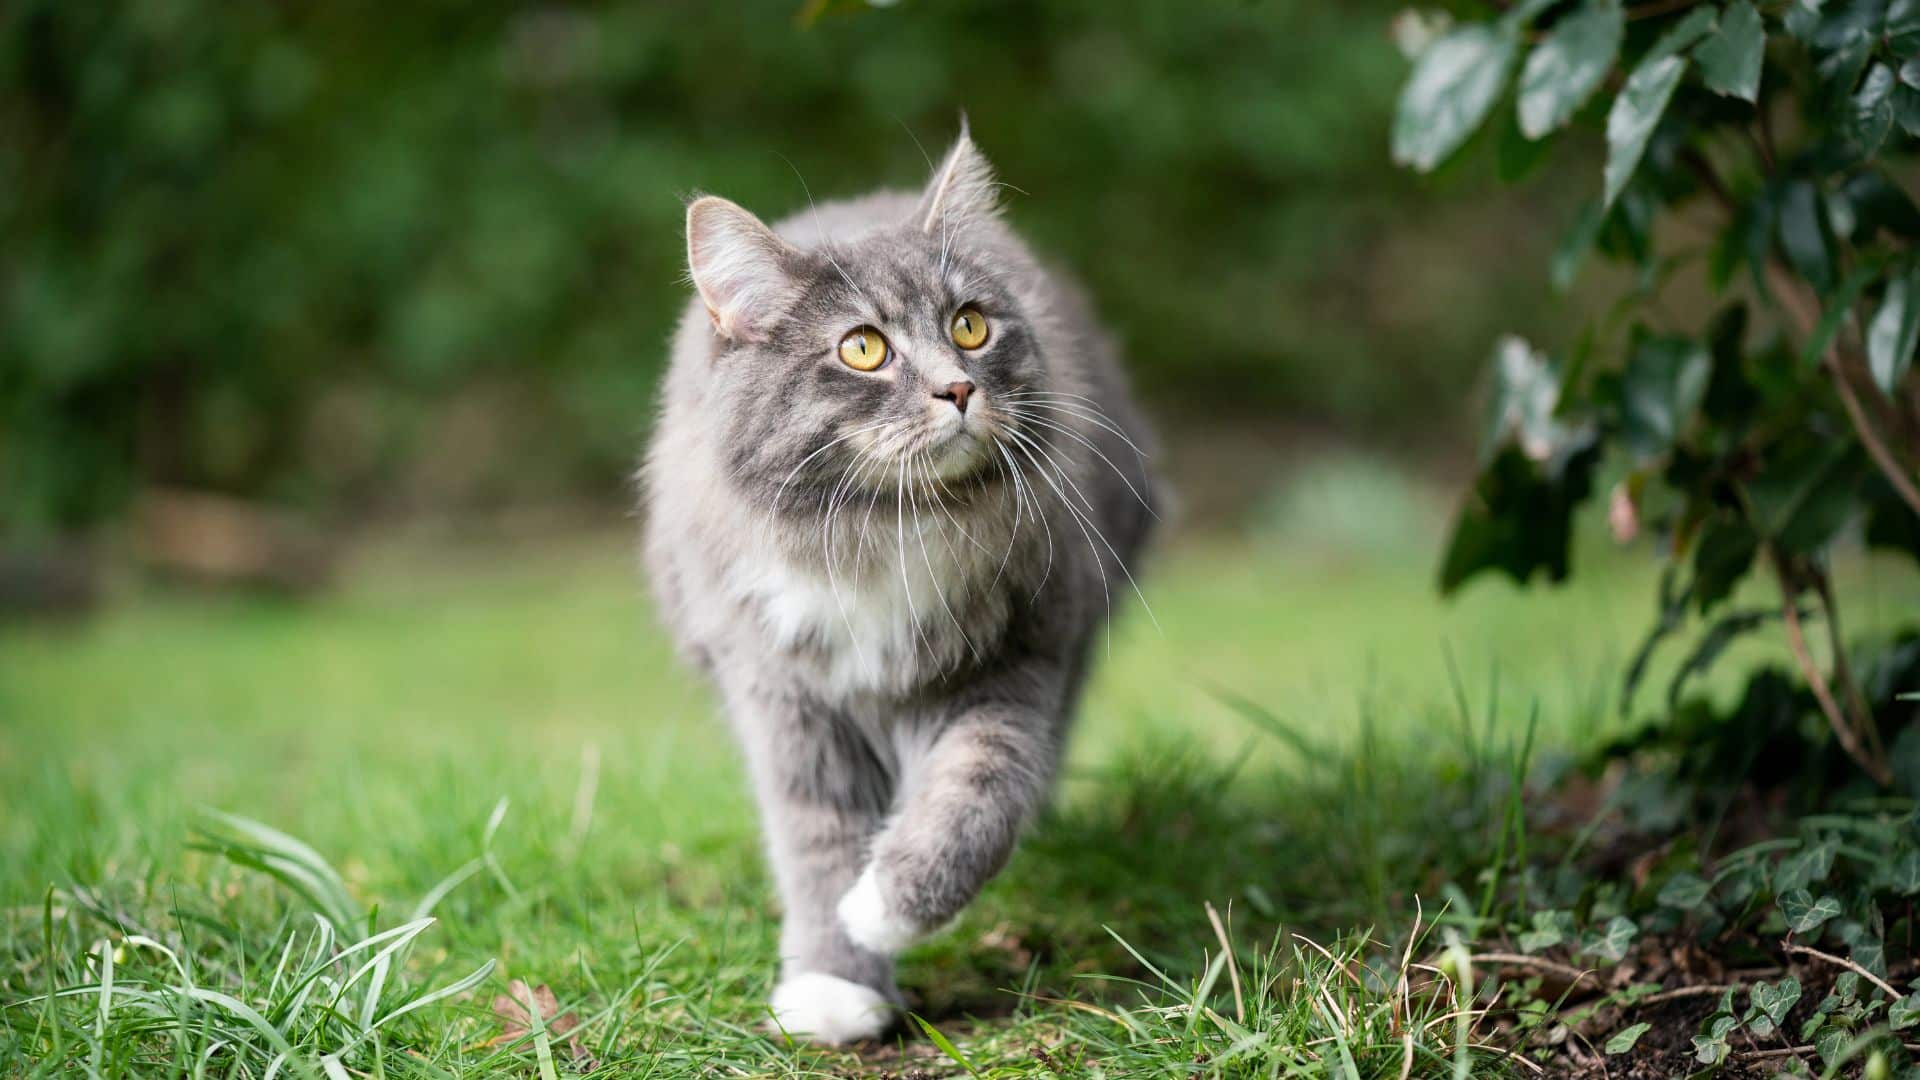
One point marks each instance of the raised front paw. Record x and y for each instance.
(873, 921)
(825, 1008)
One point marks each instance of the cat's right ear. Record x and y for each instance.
(740, 267)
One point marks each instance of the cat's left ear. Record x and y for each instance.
(740, 267)
(962, 190)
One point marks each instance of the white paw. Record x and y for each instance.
(828, 1009)
(863, 911)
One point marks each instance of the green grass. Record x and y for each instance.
(509, 731)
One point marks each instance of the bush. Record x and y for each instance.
(1748, 441)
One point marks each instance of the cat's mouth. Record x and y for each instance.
(958, 451)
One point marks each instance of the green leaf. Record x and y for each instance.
(1454, 85)
(1659, 391)
(1723, 556)
(1906, 108)
(1684, 891)
(1730, 57)
(1804, 493)
(1775, 1000)
(1564, 265)
(1805, 234)
(1903, 874)
(1517, 157)
(1902, 27)
(1904, 1013)
(1550, 928)
(1838, 306)
(1804, 913)
(1697, 24)
(1612, 943)
(1895, 328)
(1872, 115)
(1565, 69)
(1624, 1039)
(1517, 520)
(1634, 115)
(1710, 1047)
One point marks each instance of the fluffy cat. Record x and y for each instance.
(895, 489)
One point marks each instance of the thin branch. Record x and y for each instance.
(1842, 670)
(1842, 730)
(1876, 980)
(1806, 313)
(1676, 994)
(1882, 456)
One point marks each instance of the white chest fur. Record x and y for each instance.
(879, 615)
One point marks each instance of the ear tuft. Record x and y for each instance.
(740, 267)
(962, 189)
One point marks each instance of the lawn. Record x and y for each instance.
(509, 715)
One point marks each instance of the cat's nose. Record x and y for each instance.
(956, 392)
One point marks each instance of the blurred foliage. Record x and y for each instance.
(350, 256)
(1764, 152)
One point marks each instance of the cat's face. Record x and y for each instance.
(893, 357)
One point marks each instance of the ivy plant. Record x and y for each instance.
(1753, 389)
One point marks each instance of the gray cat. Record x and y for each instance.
(896, 487)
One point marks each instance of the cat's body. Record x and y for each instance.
(893, 576)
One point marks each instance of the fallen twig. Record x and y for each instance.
(1848, 964)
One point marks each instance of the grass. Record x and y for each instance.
(501, 742)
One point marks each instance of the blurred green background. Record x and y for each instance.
(367, 261)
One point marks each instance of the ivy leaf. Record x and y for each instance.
(1624, 1039)
(1893, 333)
(1832, 1044)
(1904, 1013)
(1730, 57)
(1661, 387)
(1611, 943)
(1804, 913)
(1563, 71)
(1710, 1047)
(1634, 115)
(1454, 85)
(1550, 928)
(1772, 1001)
(1684, 891)
(1872, 115)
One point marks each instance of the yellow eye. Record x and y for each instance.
(969, 328)
(863, 349)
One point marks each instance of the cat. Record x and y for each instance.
(896, 486)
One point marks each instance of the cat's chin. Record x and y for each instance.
(959, 456)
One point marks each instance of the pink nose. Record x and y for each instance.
(956, 392)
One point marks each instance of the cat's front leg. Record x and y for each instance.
(822, 794)
(987, 771)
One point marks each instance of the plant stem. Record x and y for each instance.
(1856, 702)
(1842, 730)
(1882, 456)
(1884, 985)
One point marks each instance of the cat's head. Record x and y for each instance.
(890, 354)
